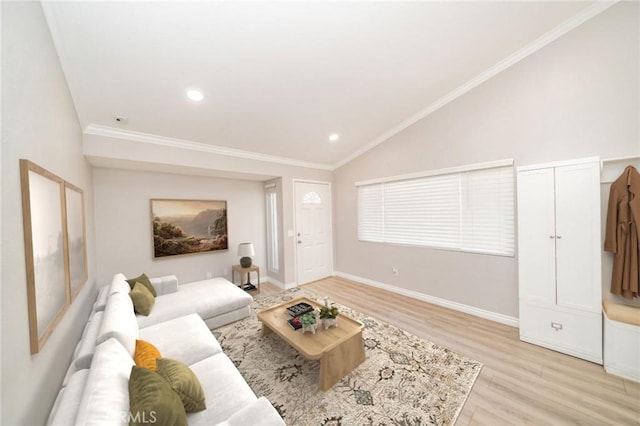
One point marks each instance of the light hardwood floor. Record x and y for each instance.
(519, 383)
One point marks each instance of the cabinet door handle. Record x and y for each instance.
(551, 236)
(556, 326)
(558, 236)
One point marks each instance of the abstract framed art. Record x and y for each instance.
(45, 246)
(76, 238)
(181, 227)
(55, 248)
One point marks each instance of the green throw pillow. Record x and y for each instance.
(184, 382)
(151, 400)
(144, 280)
(142, 299)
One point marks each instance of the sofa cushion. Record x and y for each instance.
(142, 299)
(105, 399)
(87, 345)
(259, 413)
(119, 284)
(119, 321)
(146, 355)
(184, 383)
(208, 298)
(70, 371)
(186, 339)
(144, 280)
(622, 313)
(65, 409)
(226, 390)
(165, 284)
(101, 300)
(152, 400)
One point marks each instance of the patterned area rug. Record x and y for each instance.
(404, 380)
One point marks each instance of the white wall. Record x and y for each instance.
(132, 154)
(576, 97)
(39, 123)
(123, 223)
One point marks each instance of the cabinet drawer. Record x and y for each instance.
(574, 333)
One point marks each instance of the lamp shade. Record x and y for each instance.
(246, 250)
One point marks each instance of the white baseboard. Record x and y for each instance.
(492, 316)
(279, 284)
(625, 373)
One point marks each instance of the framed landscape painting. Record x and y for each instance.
(45, 246)
(188, 226)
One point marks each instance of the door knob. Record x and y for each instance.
(299, 241)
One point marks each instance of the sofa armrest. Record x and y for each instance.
(258, 413)
(165, 285)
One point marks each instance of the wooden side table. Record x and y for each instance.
(242, 271)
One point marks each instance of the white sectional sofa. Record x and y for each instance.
(95, 390)
(215, 300)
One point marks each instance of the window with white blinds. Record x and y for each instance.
(468, 210)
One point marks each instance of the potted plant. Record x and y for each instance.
(309, 322)
(329, 316)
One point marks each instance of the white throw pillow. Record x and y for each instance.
(119, 284)
(65, 409)
(119, 321)
(87, 345)
(105, 399)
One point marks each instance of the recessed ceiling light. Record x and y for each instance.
(195, 95)
(334, 137)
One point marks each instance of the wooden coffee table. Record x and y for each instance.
(340, 349)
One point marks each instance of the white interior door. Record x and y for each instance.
(314, 244)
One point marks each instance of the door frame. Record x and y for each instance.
(295, 222)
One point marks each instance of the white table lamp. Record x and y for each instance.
(245, 251)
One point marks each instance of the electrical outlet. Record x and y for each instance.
(209, 275)
(394, 271)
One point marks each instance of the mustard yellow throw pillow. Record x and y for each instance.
(184, 382)
(146, 354)
(142, 299)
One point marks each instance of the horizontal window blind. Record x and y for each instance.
(470, 211)
(422, 211)
(371, 213)
(487, 208)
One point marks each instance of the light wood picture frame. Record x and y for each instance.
(76, 238)
(181, 227)
(46, 251)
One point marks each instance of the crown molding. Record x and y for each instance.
(112, 132)
(562, 29)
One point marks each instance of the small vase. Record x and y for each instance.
(329, 322)
(311, 328)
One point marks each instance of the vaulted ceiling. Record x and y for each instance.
(279, 78)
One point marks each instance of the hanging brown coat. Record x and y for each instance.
(622, 235)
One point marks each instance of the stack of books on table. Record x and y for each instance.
(296, 311)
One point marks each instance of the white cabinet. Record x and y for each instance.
(559, 255)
